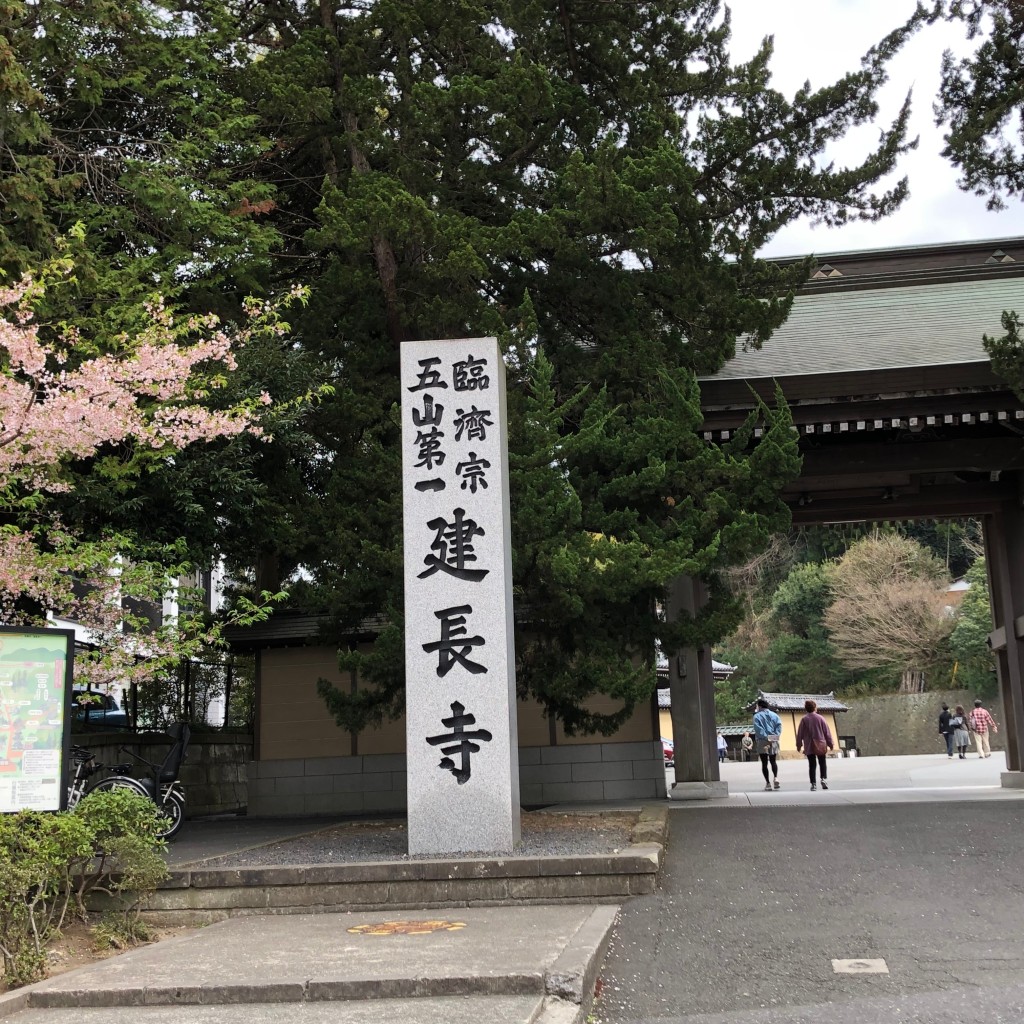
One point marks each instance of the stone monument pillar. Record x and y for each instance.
(461, 738)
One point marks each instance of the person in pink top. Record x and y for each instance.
(815, 737)
(980, 722)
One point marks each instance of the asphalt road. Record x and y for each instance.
(756, 902)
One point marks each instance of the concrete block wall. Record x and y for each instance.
(591, 773)
(327, 785)
(576, 773)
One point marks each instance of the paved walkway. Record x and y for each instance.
(922, 778)
(755, 904)
(915, 861)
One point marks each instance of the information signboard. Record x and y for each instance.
(35, 717)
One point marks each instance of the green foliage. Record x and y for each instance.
(1007, 352)
(981, 97)
(186, 693)
(590, 184)
(104, 126)
(39, 857)
(975, 662)
(591, 188)
(784, 643)
(128, 863)
(732, 696)
(798, 605)
(49, 863)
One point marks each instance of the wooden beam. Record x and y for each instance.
(735, 391)
(951, 501)
(982, 456)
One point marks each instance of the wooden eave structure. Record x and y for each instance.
(898, 412)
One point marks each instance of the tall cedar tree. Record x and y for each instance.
(981, 99)
(590, 183)
(981, 104)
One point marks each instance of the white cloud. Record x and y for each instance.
(819, 42)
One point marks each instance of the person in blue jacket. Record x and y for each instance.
(768, 730)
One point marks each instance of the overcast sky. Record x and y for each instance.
(819, 40)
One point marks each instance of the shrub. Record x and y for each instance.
(50, 862)
(128, 865)
(40, 855)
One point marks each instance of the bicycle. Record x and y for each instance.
(83, 766)
(161, 785)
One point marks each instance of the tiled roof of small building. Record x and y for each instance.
(734, 730)
(795, 701)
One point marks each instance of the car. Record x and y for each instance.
(669, 750)
(97, 711)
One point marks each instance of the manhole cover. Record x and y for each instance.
(406, 927)
(860, 967)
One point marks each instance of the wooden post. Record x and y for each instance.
(227, 692)
(1004, 561)
(186, 692)
(692, 687)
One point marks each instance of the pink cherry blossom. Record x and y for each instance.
(55, 409)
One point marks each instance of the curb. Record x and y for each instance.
(14, 1002)
(574, 973)
(359, 990)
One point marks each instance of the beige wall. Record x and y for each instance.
(294, 721)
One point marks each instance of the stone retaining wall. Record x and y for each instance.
(200, 895)
(573, 773)
(214, 774)
(906, 723)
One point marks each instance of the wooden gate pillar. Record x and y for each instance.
(692, 688)
(1004, 561)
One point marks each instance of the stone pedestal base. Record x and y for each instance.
(1011, 780)
(698, 790)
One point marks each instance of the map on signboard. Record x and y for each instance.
(33, 679)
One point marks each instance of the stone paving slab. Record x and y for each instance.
(309, 958)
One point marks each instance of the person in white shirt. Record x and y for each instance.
(723, 748)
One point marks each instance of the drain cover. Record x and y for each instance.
(860, 967)
(406, 927)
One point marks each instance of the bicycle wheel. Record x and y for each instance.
(118, 782)
(173, 810)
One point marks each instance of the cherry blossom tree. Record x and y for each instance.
(60, 402)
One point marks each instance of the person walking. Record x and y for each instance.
(980, 722)
(961, 735)
(945, 730)
(815, 737)
(723, 748)
(768, 730)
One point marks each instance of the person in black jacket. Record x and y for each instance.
(945, 730)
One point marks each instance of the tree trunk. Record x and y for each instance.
(912, 681)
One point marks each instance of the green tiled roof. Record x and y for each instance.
(882, 328)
